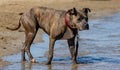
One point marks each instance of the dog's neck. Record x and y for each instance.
(66, 31)
(67, 22)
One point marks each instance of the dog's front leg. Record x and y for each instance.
(51, 49)
(71, 44)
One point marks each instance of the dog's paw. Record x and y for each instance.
(48, 63)
(33, 61)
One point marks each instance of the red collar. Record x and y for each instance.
(67, 23)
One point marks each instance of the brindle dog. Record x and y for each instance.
(58, 24)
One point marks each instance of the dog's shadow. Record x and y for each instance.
(90, 59)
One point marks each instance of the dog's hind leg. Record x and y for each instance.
(23, 52)
(30, 38)
(30, 35)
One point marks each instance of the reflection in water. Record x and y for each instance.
(31, 66)
(49, 67)
(74, 67)
(23, 66)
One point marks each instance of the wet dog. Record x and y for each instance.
(58, 24)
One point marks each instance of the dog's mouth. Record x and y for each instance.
(83, 27)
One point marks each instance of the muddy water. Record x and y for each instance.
(99, 49)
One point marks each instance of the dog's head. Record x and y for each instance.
(78, 19)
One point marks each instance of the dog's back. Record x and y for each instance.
(44, 17)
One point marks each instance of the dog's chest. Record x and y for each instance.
(68, 34)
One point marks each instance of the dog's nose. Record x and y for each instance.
(87, 27)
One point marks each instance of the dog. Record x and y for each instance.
(58, 24)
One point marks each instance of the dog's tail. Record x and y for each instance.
(14, 28)
(17, 27)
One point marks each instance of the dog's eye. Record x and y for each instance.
(79, 19)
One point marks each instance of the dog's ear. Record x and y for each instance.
(73, 11)
(86, 10)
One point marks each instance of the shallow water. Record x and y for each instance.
(99, 49)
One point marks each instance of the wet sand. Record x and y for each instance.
(11, 41)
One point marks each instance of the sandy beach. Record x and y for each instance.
(11, 41)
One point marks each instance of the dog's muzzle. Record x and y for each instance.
(87, 27)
